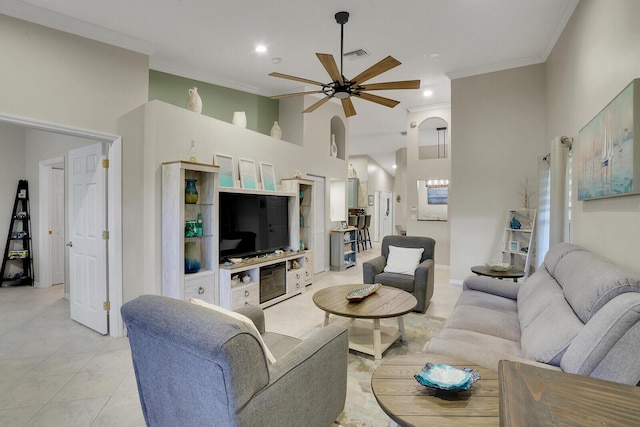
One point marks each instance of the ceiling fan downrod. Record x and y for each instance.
(342, 18)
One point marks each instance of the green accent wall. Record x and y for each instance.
(217, 101)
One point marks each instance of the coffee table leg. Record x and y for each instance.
(401, 328)
(377, 340)
(326, 318)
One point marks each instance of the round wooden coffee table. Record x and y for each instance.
(408, 403)
(385, 303)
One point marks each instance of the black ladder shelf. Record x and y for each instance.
(17, 262)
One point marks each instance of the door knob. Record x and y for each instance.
(70, 244)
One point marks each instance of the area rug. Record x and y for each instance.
(361, 408)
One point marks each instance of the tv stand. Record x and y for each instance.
(236, 291)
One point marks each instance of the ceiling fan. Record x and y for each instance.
(343, 88)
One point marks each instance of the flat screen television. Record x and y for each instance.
(252, 224)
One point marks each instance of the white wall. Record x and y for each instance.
(427, 169)
(596, 57)
(57, 77)
(497, 133)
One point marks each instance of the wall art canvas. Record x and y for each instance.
(433, 200)
(607, 152)
(225, 178)
(248, 174)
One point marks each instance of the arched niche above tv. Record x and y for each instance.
(338, 129)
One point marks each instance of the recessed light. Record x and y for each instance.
(427, 92)
(434, 55)
(394, 166)
(276, 60)
(261, 48)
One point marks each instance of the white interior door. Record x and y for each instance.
(56, 225)
(318, 223)
(87, 248)
(386, 213)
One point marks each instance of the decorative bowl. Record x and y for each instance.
(498, 266)
(447, 378)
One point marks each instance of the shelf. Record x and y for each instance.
(520, 230)
(515, 253)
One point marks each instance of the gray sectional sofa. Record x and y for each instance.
(577, 313)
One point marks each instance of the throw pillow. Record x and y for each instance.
(403, 260)
(239, 317)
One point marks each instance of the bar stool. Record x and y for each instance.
(367, 236)
(360, 233)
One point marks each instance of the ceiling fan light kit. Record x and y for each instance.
(343, 88)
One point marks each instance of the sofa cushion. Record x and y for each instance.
(496, 323)
(556, 253)
(403, 260)
(400, 281)
(589, 282)
(486, 300)
(240, 318)
(535, 293)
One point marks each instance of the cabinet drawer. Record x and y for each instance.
(295, 279)
(245, 295)
(200, 286)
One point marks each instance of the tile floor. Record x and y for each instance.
(56, 372)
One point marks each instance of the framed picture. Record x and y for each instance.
(514, 246)
(608, 163)
(248, 174)
(344, 224)
(226, 177)
(267, 176)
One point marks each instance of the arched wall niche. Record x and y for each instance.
(338, 129)
(433, 138)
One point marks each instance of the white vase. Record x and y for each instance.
(194, 102)
(276, 132)
(334, 147)
(240, 119)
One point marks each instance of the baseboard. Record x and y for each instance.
(455, 282)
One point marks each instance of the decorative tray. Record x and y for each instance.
(447, 378)
(361, 293)
(498, 266)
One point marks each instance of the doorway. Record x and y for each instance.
(114, 197)
(51, 209)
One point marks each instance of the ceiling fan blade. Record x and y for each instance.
(348, 107)
(405, 84)
(287, 95)
(316, 105)
(330, 65)
(385, 65)
(378, 99)
(298, 79)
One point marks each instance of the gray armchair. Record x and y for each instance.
(420, 284)
(198, 367)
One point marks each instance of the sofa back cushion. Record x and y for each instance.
(556, 253)
(589, 282)
(547, 322)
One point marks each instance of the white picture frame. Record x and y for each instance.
(514, 246)
(267, 176)
(226, 177)
(247, 170)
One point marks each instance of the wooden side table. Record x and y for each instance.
(483, 270)
(408, 403)
(534, 396)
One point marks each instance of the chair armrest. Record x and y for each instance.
(422, 271)
(373, 267)
(502, 288)
(254, 313)
(299, 382)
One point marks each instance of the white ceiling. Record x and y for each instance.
(214, 41)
